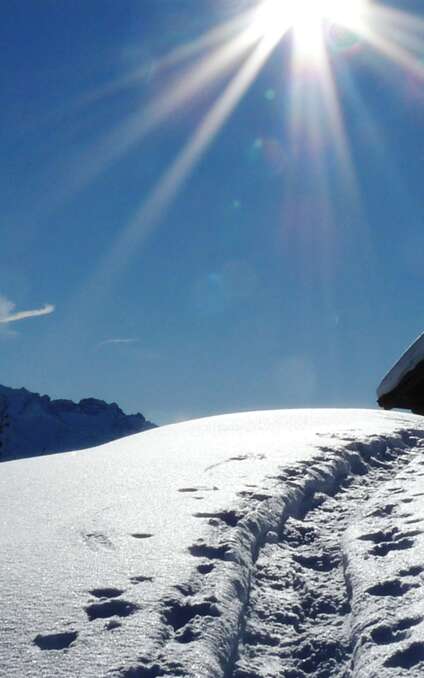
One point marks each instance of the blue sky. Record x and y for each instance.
(283, 268)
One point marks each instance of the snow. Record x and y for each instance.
(384, 553)
(38, 425)
(224, 546)
(406, 363)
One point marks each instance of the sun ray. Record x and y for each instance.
(152, 209)
(270, 21)
(404, 21)
(397, 36)
(315, 110)
(224, 33)
(319, 137)
(234, 53)
(87, 165)
(336, 128)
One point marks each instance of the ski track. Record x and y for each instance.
(271, 595)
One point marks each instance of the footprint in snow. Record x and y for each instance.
(230, 518)
(406, 659)
(205, 568)
(111, 608)
(55, 641)
(140, 579)
(141, 535)
(198, 489)
(202, 550)
(382, 511)
(393, 587)
(97, 541)
(178, 614)
(384, 634)
(388, 547)
(319, 562)
(390, 540)
(107, 592)
(412, 571)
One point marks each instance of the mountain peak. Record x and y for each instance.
(32, 424)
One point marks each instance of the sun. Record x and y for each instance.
(307, 19)
(224, 63)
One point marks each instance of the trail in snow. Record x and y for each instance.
(298, 620)
(283, 544)
(287, 577)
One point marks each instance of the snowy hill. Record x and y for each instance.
(36, 424)
(259, 545)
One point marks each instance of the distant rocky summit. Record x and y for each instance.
(32, 424)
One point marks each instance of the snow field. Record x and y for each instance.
(207, 549)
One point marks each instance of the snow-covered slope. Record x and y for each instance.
(37, 425)
(263, 544)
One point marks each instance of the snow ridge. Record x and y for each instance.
(248, 611)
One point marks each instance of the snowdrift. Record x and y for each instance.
(286, 543)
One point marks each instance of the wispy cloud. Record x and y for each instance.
(9, 315)
(140, 351)
(108, 342)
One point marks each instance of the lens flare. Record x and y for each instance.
(224, 63)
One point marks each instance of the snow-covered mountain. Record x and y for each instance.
(284, 544)
(32, 424)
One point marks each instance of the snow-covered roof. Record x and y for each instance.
(406, 363)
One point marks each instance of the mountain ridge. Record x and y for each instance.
(32, 424)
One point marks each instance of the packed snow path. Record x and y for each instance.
(272, 544)
(298, 620)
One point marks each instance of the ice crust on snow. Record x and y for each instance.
(157, 554)
(39, 425)
(406, 363)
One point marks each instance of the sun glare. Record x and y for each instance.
(307, 20)
(232, 55)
